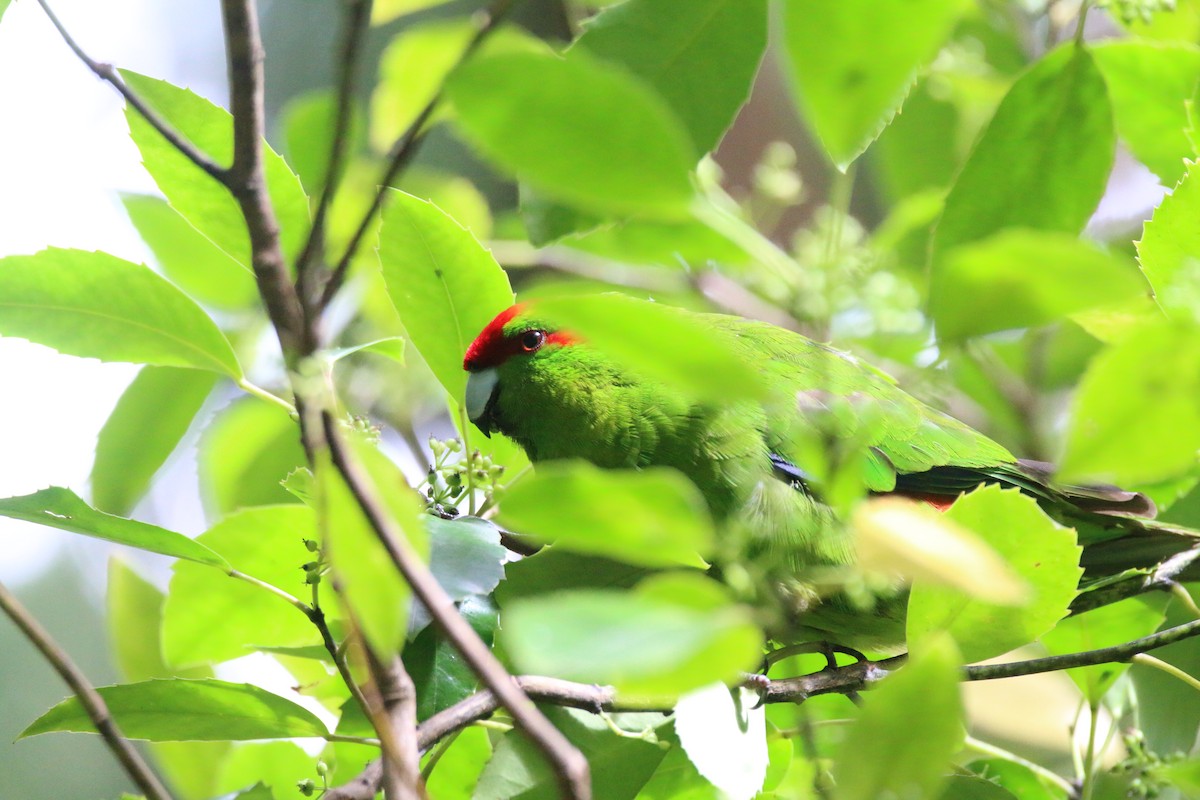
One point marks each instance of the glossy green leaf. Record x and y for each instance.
(1149, 82)
(144, 428)
(1043, 160)
(1135, 417)
(852, 63)
(1104, 627)
(441, 675)
(1170, 241)
(620, 765)
(61, 508)
(465, 555)
(672, 634)
(892, 751)
(659, 342)
(444, 285)
(187, 257)
(1041, 552)
(578, 131)
(723, 731)
(1022, 278)
(95, 305)
(178, 710)
(654, 517)
(245, 452)
(700, 55)
(203, 202)
(210, 617)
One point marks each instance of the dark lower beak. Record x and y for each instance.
(483, 387)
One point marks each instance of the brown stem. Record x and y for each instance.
(132, 762)
(401, 774)
(406, 147)
(568, 763)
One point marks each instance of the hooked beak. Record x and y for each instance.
(483, 387)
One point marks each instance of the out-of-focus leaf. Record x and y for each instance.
(203, 202)
(552, 569)
(275, 766)
(968, 787)
(1170, 241)
(460, 766)
(1167, 708)
(620, 765)
(144, 428)
(95, 305)
(1022, 278)
(210, 617)
(3, 7)
(391, 347)
(1104, 627)
(853, 63)
(1015, 778)
(187, 257)
(444, 285)
(653, 517)
(1136, 418)
(577, 130)
(677, 779)
(177, 710)
(1042, 162)
(246, 451)
(723, 731)
(672, 634)
(256, 792)
(1149, 82)
(700, 55)
(385, 11)
(891, 751)
(308, 129)
(1041, 552)
(441, 675)
(659, 342)
(61, 508)
(466, 557)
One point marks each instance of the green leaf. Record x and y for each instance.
(144, 428)
(390, 347)
(61, 508)
(892, 751)
(968, 787)
(256, 792)
(3, 7)
(210, 617)
(187, 257)
(853, 63)
(1040, 551)
(95, 305)
(466, 557)
(577, 130)
(700, 55)
(376, 595)
(723, 730)
(460, 766)
(385, 11)
(179, 710)
(672, 634)
(203, 202)
(658, 341)
(1104, 627)
(1016, 778)
(654, 517)
(275, 766)
(620, 765)
(308, 130)
(1135, 417)
(444, 285)
(552, 569)
(1042, 162)
(1022, 278)
(244, 454)
(1149, 82)
(1170, 242)
(441, 675)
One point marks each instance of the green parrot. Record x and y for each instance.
(560, 397)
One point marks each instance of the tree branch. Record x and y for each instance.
(247, 180)
(407, 145)
(569, 764)
(132, 762)
(356, 23)
(401, 773)
(108, 73)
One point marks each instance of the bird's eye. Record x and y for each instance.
(532, 340)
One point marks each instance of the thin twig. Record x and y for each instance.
(568, 763)
(406, 147)
(108, 73)
(132, 762)
(356, 23)
(247, 180)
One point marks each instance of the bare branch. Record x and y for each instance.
(406, 147)
(355, 26)
(108, 73)
(569, 764)
(247, 180)
(401, 774)
(132, 762)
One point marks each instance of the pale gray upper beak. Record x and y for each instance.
(482, 388)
